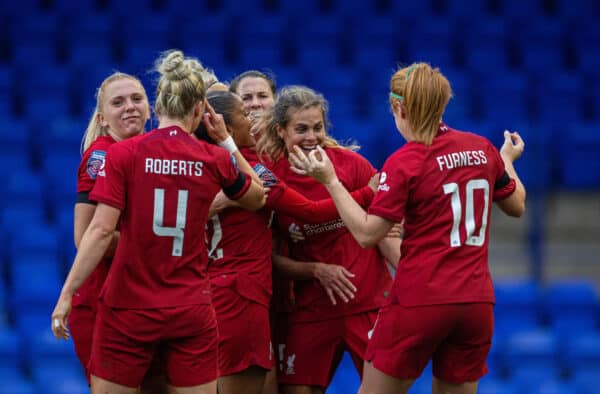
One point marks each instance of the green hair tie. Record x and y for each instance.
(396, 96)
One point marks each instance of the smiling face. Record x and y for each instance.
(124, 109)
(239, 125)
(305, 128)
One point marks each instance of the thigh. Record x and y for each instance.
(462, 356)
(237, 349)
(124, 343)
(311, 352)
(190, 348)
(81, 326)
(356, 335)
(405, 338)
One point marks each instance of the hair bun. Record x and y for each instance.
(172, 66)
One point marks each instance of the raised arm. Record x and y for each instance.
(511, 150)
(366, 229)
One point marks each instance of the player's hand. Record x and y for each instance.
(59, 317)
(513, 146)
(335, 279)
(295, 233)
(222, 202)
(397, 231)
(316, 164)
(214, 123)
(374, 183)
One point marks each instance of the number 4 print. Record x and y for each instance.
(472, 185)
(157, 221)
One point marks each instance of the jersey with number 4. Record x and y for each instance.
(444, 193)
(163, 182)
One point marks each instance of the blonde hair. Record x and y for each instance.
(180, 86)
(290, 98)
(94, 128)
(425, 93)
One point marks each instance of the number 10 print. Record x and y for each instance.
(472, 185)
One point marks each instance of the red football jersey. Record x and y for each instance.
(240, 243)
(444, 193)
(163, 182)
(91, 162)
(330, 242)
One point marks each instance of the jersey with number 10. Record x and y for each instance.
(444, 194)
(163, 182)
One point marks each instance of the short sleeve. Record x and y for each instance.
(111, 180)
(392, 193)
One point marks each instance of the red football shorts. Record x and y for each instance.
(126, 340)
(313, 350)
(456, 337)
(81, 326)
(244, 332)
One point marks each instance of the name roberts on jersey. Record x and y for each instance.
(173, 167)
(461, 159)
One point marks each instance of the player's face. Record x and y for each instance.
(256, 95)
(239, 127)
(125, 108)
(305, 128)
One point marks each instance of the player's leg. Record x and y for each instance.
(460, 361)
(206, 388)
(248, 381)
(441, 387)
(376, 382)
(103, 386)
(270, 385)
(311, 353)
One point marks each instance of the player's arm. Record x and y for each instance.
(93, 246)
(512, 148)
(366, 229)
(295, 205)
(334, 279)
(389, 246)
(83, 213)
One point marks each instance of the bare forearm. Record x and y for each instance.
(352, 214)
(390, 249)
(292, 269)
(92, 248)
(510, 169)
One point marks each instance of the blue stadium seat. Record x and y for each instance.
(537, 172)
(15, 145)
(572, 307)
(516, 10)
(551, 385)
(580, 163)
(482, 57)
(17, 385)
(581, 354)
(36, 242)
(586, 380)
(60, 175)
(532, 355)
(490, 385)
(10, 353)
(260, 55)
(436, 55)
(46, 355)
(560, 98)
(22, 188)
(517, 306)
(12, 217)
(39, 109)
(35, 283)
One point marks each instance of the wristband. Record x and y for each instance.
(229, 145)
